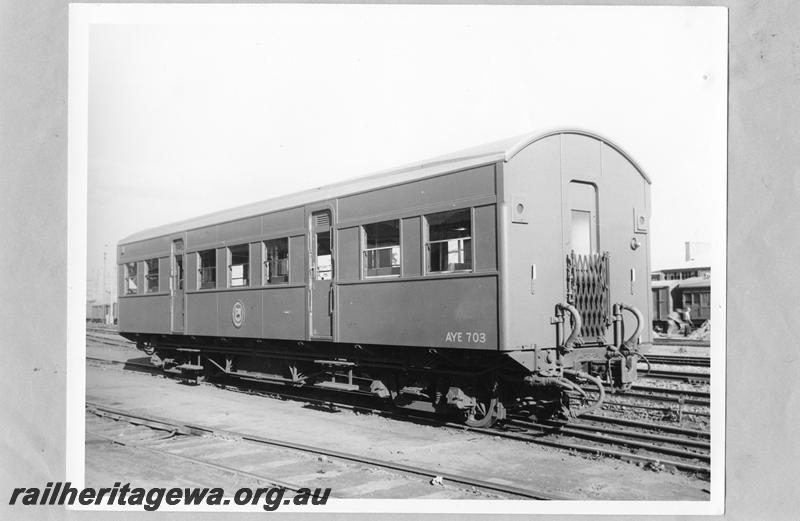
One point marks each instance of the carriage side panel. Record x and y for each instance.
(446, 312)
(144, 311)
(452, 306)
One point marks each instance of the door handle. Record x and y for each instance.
(330, 301)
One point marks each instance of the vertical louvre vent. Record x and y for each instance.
(587, 290)
(322, 220)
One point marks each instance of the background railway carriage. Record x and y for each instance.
(495, 277)
(676, 289)
(664, 302)
(696, 293)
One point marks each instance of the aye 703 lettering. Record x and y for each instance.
(471, 337)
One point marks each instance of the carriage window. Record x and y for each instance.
(276, 261)
(207, 269)
(583, 237)
(449, 246)
(382, 248)
(151, 276)
(324, 256)
(130, 279)
(238, 265)
(581, 232)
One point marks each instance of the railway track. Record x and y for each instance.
(693, 361)
(688, 448)
(656, 394)
(681, 342)
(703, 395)
(109, 337)
(209, 440)
(682, 376)
(647, 443)
(676, 411)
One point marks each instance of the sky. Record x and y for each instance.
(194, 109)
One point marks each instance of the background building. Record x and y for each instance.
(677, 288)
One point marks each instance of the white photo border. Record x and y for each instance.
(81, 18)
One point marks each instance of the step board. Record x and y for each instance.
(189, 367)
(343, 363)
(337, 385)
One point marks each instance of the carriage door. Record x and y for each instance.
(587, 266)
(321, 274)
(176, 292)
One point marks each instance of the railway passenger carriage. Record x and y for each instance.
(502, 276)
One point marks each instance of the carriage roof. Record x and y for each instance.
(496, 151)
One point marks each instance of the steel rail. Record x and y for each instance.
(149, 367)
(588, 449)
(681, 342)
(112, 334)
(594, 432)
(648, 425)
(217, 466)
(660, 374)
(197, 429)
(653, 408)
(679, 392)
(107, 342)
(694, 361)
(696, 443)
(654, 398)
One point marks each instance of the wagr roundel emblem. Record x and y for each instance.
(237, 313)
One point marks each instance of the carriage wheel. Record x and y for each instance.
(484, 413)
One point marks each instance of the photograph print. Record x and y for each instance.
(399, 258)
